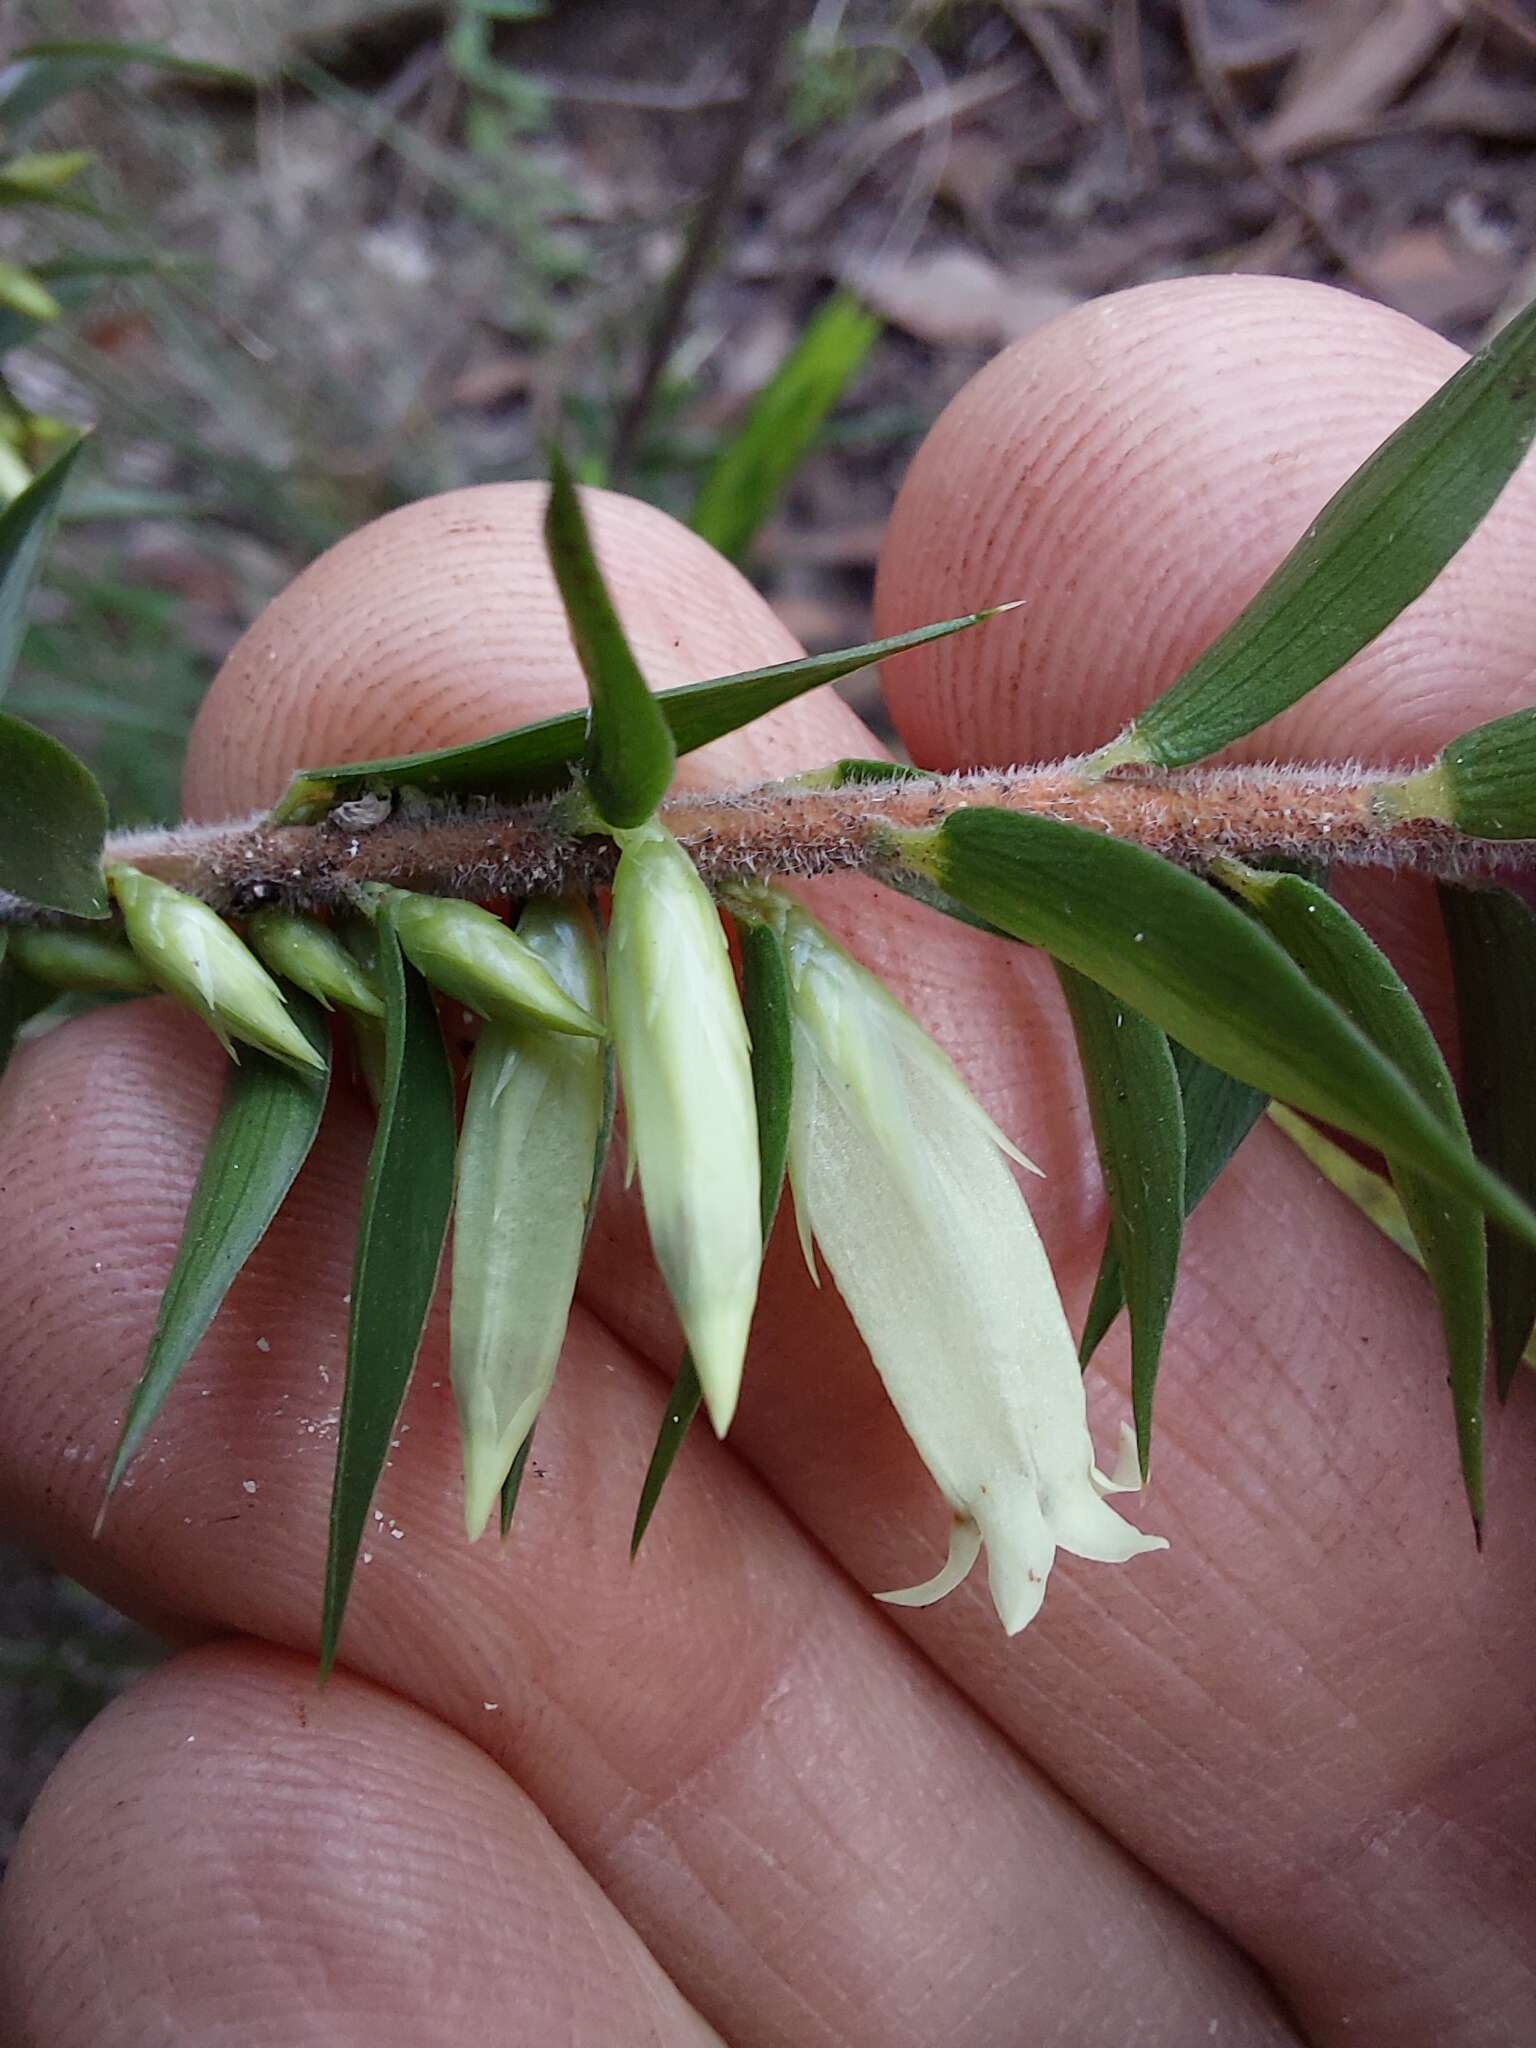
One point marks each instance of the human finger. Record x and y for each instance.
(229, 1854)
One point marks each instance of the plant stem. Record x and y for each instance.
(486, 850)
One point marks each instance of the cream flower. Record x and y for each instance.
(901, 1179)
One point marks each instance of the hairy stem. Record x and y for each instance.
(487, 850)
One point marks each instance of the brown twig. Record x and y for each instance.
(1223, 104)
(486, 850)
(772, 31)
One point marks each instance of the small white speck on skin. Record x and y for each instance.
(262, 1344)
(491, 1706)
(367, 1557)
(396, 1533)
(346, 1301)
(70, 1453)
(191, 1738)
(249, 1485)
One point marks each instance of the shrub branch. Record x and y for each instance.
(482, 849)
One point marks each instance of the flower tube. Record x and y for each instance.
(901, 1179)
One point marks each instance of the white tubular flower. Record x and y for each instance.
(524, 1181)
(900, 1177)
(686, 1067)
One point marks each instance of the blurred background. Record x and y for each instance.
(300, 261)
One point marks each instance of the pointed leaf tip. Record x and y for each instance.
(630, 751)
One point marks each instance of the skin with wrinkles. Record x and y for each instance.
(1275, 1784)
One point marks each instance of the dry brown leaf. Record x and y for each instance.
(1358, 58)
(957, 297)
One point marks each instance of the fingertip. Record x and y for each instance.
(440, 623)
(231, 1854)
(1134, 471)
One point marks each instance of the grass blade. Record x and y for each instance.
(1138, 1126)
(1218, 1114)
(765, 999)
(744, 480)
(539, 759)
(1380, 541)
(53, 820)
(266, 1125)
(1338, 958)
(629, 753)
(1492, 937)
(26, 528)
(406, 1200)
(1174, 948)
(20, 998)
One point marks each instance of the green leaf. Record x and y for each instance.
(536, 760)
(629, 754)
(853, 770)
(1374, 547)
(1492, 937)
(406, 1200)
(512, 1485)
(53, 819)
(1175, 949)
(1218, 1114)
(1138, 1127)
(26, 528)
(266, 1125)
(1338, 958)
(744, 480)
(20, 998)
(43, 171)
(115, 54)
(765, 1000)
(1370, 1192)
(1487, 779)
(21, 293)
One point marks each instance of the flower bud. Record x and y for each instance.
(193, 955)
(310, 955)
(692, 1122)
(524, 1185)
(472, 956)
(92, 961)
(899, 1176)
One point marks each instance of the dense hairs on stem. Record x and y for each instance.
(487, 849)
